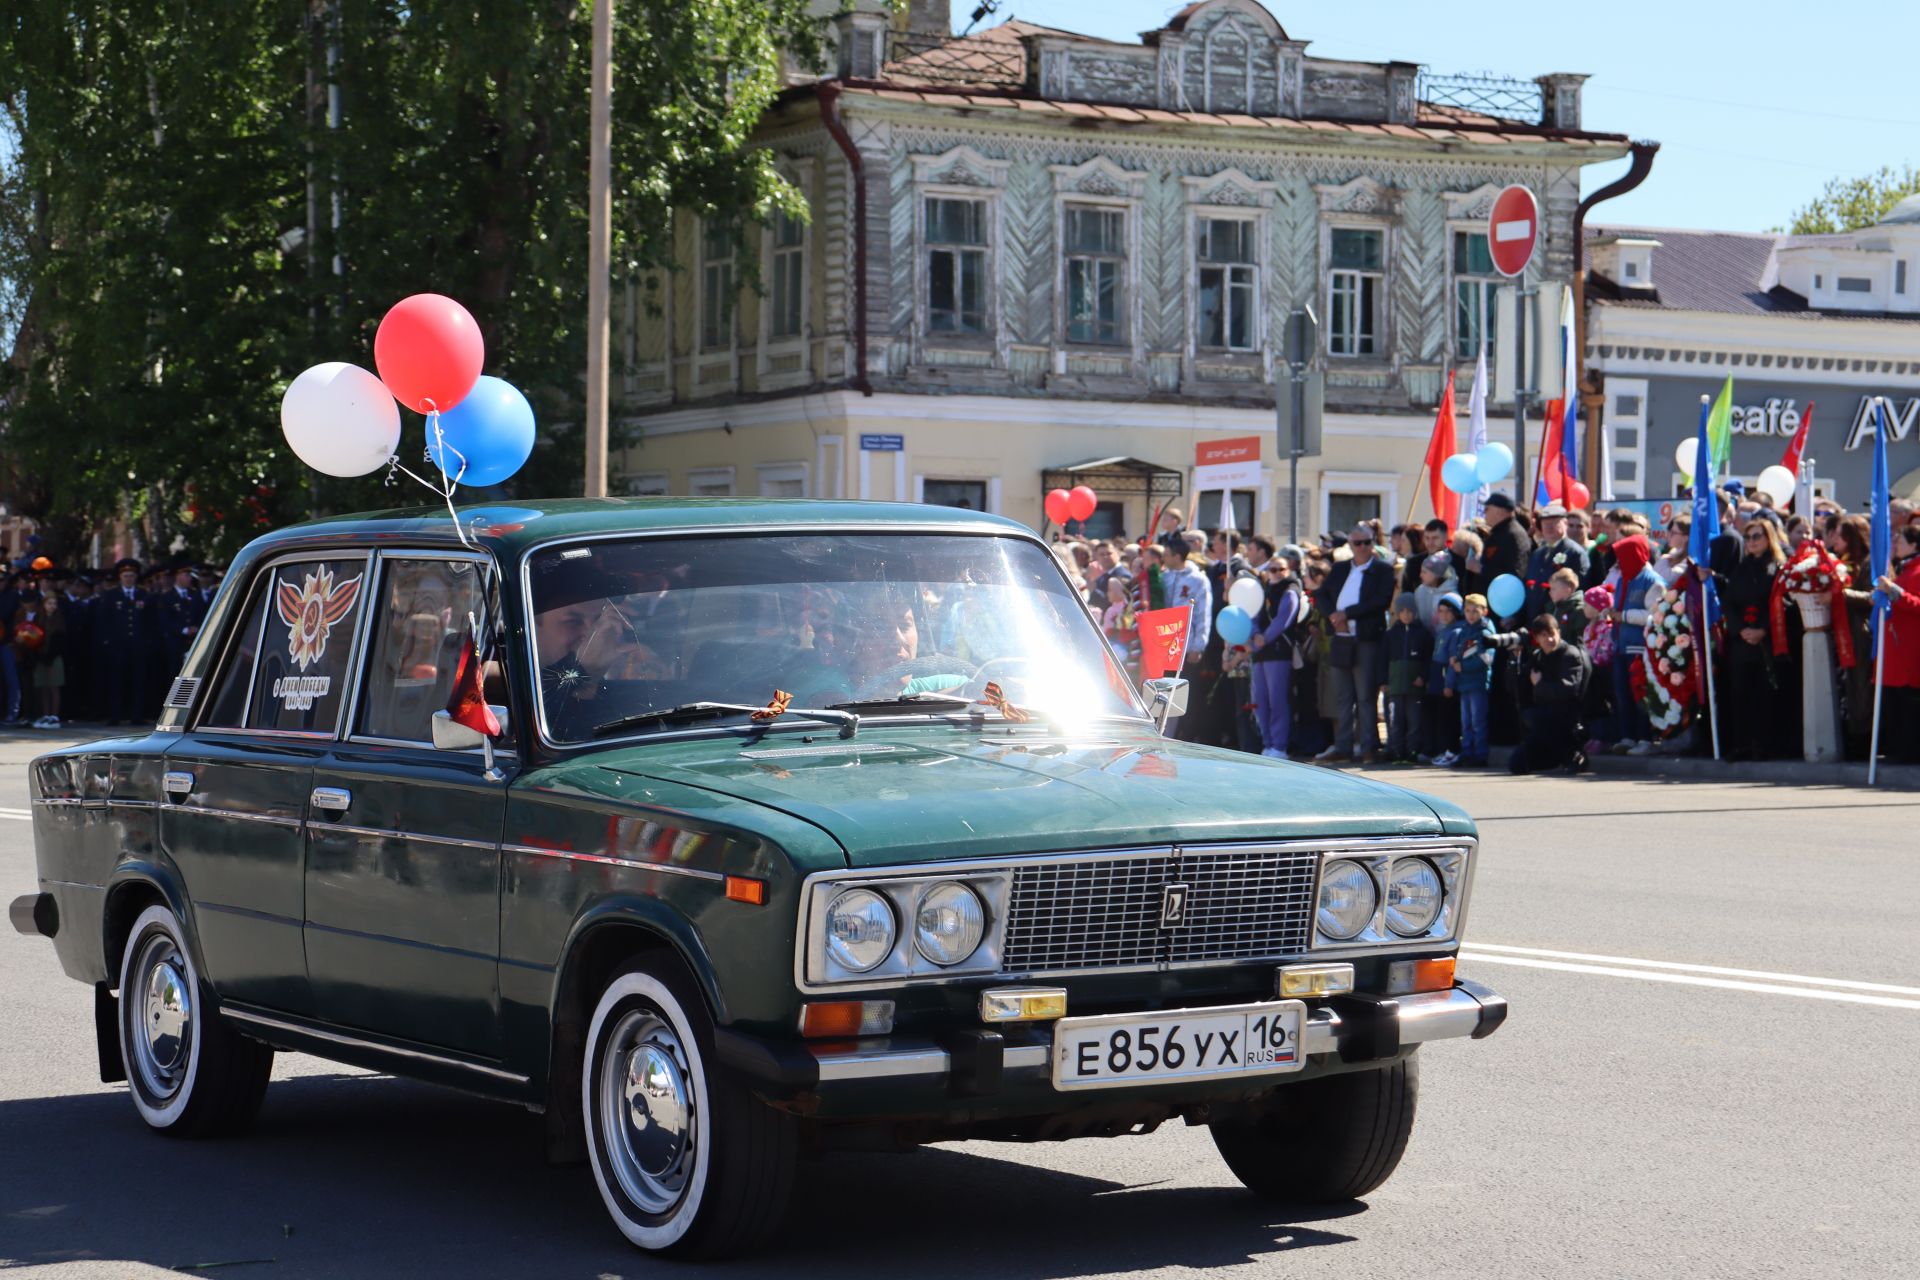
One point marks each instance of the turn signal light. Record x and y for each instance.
(1299, 980)
(1405, 977)
(838, 1019)
(742, 889)
(1023, 1004)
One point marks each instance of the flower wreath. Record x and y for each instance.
(1814, 571)
(1672, 689)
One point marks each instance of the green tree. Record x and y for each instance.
(1847, 204)
(166, 214)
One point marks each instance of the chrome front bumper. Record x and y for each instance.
(1354, 1028)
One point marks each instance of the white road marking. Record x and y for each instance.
(1697, 968)
(1693, 980)
(22, 815)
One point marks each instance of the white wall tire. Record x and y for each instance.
(188, 1073)
(687, 1162)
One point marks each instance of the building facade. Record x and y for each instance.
(1031, 250)
(1829, 321)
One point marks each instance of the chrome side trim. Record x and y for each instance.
(271, 819)
(663, 868)
(269, 1023)
(378, 833)
(881, 1064)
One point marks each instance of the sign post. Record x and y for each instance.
(1513, 233)
(1299, 434)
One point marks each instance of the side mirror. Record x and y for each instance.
(1167, 699)
(450, 735)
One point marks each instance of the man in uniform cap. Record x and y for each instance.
(1554, 550)
(123, 639)
(180, 610)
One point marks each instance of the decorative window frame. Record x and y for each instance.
(1229, 194)
(767, 347)
(705, 359)
(1365, 204)
(1467, 211)
(1386, 484)
(960, 173)
(633, 369)
(766, 473)
(697, 476)
(648, 484)
(1100, 182)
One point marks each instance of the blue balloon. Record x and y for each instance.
(1459, 473)
(1234, 624)
(1507, 594)
(1494, 463)
(490, 434)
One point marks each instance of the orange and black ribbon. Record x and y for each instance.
(994, 697)
(775, 709)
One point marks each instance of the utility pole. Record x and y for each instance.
(1302, 325)
(1522, 389)
(599, 236)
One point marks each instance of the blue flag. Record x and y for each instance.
(1880, 550)
(1706, 520)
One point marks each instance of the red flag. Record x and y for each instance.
(1796, 446)
(1445, 441)
(1163, 640)
(467, 704)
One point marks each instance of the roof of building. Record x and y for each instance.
(1716, 271)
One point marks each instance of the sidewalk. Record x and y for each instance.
(1789, 773)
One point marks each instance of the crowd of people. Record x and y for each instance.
(96, 645)
(1380, 644)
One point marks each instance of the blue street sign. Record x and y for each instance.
(883, 444)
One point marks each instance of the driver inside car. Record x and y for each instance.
(872, 650)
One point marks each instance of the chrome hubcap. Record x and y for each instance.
(647, 1111)
(163, 1041)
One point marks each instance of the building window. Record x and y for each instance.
(789, 277)
(968, 495)
(1353, 291)
(956, 265)
(716, 286)
(1631, 270)
(650, 484)
(1900, 275)
(710, 482)
(1474, 282)
(783, 480)
(1819, 282)
(1096, 246)
(1853, 284)
(1239, 514)
(1627, 406)
(1345, 510)
(1228, 292)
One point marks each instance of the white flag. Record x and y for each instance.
(1472, 504)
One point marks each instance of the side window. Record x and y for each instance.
(227, 708)
(309, 612)
(427, 611)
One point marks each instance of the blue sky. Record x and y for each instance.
(1756, 104)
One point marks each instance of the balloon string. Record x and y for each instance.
(449, 481)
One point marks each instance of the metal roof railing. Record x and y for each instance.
(1507, 97)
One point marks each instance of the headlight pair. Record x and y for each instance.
(1350, 897)
(949, 921)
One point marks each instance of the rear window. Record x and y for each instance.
(287, 670)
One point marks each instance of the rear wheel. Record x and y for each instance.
(1335, 1138)
(688, 1162)
(189, 1073)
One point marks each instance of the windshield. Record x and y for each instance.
(627, 628)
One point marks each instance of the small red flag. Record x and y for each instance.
(1796, 446)
(1163, 640)
(1446, 503)
(467, 704)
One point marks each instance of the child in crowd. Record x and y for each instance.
(1442, 718)
(1436, 580)
(1472, 678)
(1566, 606)
(1409, 657)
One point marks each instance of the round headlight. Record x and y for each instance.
(1347, 899)
(1414, 894)
(859, 930)
(949, 923)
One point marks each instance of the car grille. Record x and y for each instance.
(1104, 913)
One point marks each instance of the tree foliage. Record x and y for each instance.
(166, 215)
(1847, 204)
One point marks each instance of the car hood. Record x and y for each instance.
(928, 794)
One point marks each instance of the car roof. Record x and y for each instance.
(508, 528)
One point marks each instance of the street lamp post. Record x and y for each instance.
(599, 236)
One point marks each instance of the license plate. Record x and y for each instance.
(1178, 1044)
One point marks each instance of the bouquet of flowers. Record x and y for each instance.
(1672, 689)
(1814, 571)
(1818, 582)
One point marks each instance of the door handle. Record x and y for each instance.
(177, 784)
(332, 799)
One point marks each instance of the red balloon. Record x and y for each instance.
(1578, 496)
(1059, 506)
(1081, 501)
(429, 352)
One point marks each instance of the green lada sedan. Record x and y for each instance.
(725, 832)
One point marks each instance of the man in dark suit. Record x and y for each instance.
(1508, 545)
(76, 606)
(1555, 550)
(180, 610)
(1354, 599)
(123, 639)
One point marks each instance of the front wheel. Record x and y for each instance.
(190, 1074)
(1331, 1139)
(688, 1162)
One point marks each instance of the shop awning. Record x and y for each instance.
(1114, 478)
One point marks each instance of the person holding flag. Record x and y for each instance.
(1896, 593)
(1700, 539)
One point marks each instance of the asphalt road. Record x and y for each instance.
(1642, 1113)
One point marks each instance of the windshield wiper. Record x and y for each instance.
(689, 711)
(902, 700)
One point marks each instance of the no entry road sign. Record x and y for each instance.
(1513, 229)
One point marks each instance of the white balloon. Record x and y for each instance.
(1245, 593)
(340, 419)
(1687, 455)
(1777, 483)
